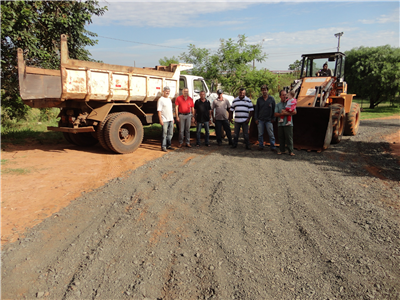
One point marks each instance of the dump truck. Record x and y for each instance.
(101, 102)
(325, 111)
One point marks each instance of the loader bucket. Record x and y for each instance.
(312, 128)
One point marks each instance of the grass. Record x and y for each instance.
(381, 111)
(18, 171)
(4, 161)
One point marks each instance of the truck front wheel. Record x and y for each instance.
(123, 133)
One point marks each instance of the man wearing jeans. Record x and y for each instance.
(184, 115)
(221, 107)
(264, 116)
(202, 115)
(243, 108)
(166, 117)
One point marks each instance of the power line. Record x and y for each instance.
(155, 45)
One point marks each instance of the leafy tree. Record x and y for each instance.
(254, 79)
(228, 65)
(296, 66)
(36, 27)
(167, 61)
(373, 72)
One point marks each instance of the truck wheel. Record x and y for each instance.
(100, 131)
(123, 133)
(352, 120)
(83, 139)
(338, 122)
(67, 137)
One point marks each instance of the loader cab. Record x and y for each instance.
(312, 63)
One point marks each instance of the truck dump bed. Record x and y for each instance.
(92, 81)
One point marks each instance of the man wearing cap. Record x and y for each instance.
(264, 116)
(243, 108)
(221, 107)
(184, 115)
(325, 72)
(166, 117)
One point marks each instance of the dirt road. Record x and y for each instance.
(222, 223)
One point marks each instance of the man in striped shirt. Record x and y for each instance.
(243, 108)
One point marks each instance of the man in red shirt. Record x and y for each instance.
(184, 115)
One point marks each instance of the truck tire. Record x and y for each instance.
(83, 139)
(338, 123)
(352, 120)
(100, 131)
(123, 133)
(67, 137)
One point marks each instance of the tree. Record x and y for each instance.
(373, 72)
(228, 65)
(296, 66)
(167, 61)
(36, 27)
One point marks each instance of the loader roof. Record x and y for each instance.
(323, 55)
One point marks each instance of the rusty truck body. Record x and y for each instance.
(100, 102)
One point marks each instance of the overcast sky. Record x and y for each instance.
(288, 29)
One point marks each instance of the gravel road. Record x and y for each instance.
(222, 223)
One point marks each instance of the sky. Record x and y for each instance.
(139, 33)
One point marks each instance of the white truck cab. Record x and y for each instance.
(196, 84)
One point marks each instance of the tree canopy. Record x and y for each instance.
(167, 61)
(296, 66)
(229, 65)
(373, 72)
(36, 27)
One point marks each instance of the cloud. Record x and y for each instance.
(382, 19)
(162, 14)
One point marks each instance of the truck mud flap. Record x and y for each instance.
(312, 128)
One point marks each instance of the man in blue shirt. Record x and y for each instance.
(264, 116)
(243, 108)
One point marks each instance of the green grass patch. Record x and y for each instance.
(18, 171)
(4, 161)
(383, 110)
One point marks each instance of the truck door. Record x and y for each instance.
(198, 86)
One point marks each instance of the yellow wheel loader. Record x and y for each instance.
(324, 109)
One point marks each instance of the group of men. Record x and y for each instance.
(220, 112)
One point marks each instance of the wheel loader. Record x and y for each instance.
(324, 109)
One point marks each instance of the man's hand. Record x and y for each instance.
(247, 120)
(177, 118)
(256, 121)
(161, 122)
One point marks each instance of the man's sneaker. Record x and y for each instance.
(164, 149)
(180, 146)
(280, 121)
(170, 148)
(188, 145)
(289, 123)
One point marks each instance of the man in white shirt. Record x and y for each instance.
(166, 117)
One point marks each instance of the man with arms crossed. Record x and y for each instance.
(202, 114)
(285, 132)
(264, 116)
(221, 107)
(166, 117)
(243, 108)
(184, 115)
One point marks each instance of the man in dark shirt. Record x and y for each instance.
(264, 116)
(202, 116)
(325, 72)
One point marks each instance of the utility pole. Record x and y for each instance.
(338, 35)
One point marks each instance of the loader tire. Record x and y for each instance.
(338, 123)
(100, 131)
(123, 133)
(83, 139)
(352, 120)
